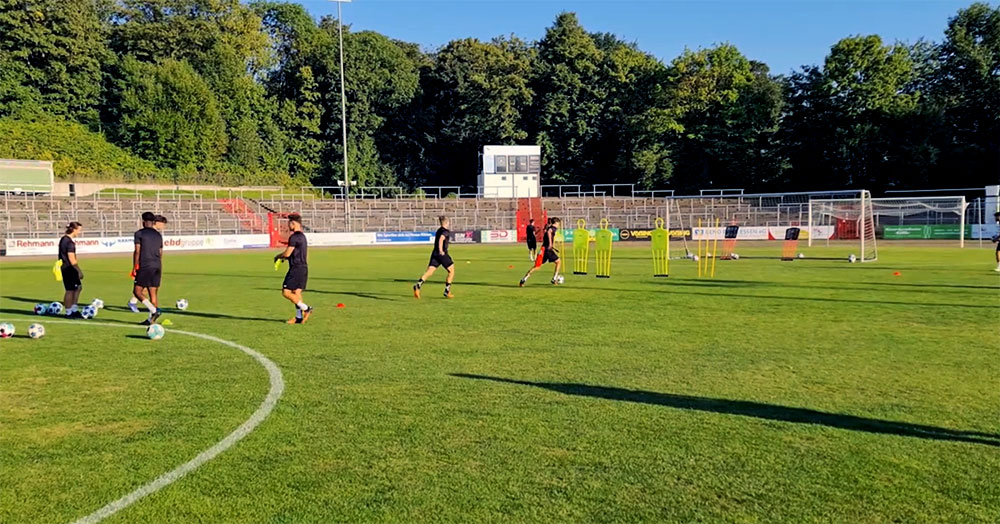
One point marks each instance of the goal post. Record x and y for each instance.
(844, 219)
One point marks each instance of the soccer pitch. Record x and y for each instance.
(805, 391)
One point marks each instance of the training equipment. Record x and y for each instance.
(277, 263)
(791, 243)
(560, 279)
(41, 309)
(55, 308)
(88, 312)
(581, 247)
(708, 248)
(97, 303)
(155, 332)
(729, 241)
(660, 238)
(6, 330)
(603, 239)
(57, 270)
(182, 304)
(36, 331)
(850, 219)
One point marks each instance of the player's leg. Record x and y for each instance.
(431, 267)
(998, 258)
(538, 263)
(449, 280)
(555, 274)
(153, 304)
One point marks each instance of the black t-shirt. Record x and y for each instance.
(545, 239)
(441, 232)
(66, 246)
(150, 243)
(298, 256)
(530, 233)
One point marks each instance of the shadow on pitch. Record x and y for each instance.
(371, 296)
(758, 410)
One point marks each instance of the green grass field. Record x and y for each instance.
(810, 391)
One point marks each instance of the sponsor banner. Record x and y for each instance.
(759, 232)
(926, 232)
(645, 235)
(50, 246)
(464, 237)
(340, 239)
(498, 236)
(985, 231)
(405, 237)
(615, 234)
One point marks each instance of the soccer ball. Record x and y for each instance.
(735, 256)
(88, 312)
(41, 309)
(800, 255)
(36, 331)
(182, 304)
(852, 259)
(97, 303)
(155, 332)
(560, 279)
(6, 330)
(55, 308)
(694, 257)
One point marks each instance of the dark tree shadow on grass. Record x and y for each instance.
(758, 410)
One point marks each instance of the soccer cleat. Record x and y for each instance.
(75, 314)
(447, 294)
(997, 270)
(294, 320)
(521, 283)
(145, 322)
(133, 307)
(416, 291)
(154, 316)
(305, 315)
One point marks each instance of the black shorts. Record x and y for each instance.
(296, 278)
(438, 259)
(532, 243)
(547, 255)
(71, 279)
(148, 277)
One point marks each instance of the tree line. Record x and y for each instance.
(244, 93)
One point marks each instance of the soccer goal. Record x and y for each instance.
(847, 220)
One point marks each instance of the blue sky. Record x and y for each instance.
(785, 34)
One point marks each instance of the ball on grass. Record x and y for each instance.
(560, 279)
(97, 303)
(6, 330)
(41, 309)
(182, 304)
(155, 332)
(852, 259)
(55, 308)
(36, 331)
(88, 312)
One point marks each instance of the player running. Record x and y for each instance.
(298, 270)
(133, 302)
(439, 257)
(72, 275)
(147, 267)
(548, 252)
(531, 238)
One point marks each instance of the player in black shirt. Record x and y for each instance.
(298, 270)
(146, 218)
(439, 257)
(147, 266)
(531, 238)
(548, 253)
(72, 275)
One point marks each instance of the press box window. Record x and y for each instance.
(500, 163)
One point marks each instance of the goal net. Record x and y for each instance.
(848, 221)
(921, 218)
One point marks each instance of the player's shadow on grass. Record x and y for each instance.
(199, 314)
(372, 296)
(759, 410)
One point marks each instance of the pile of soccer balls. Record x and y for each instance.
(56, 309)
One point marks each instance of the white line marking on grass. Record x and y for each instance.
(265, 408)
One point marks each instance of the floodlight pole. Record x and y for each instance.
(343, 117)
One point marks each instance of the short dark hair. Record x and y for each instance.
(161, 219)
(73, 226)
(441, 219)
(531, 220)
(295, 217)
(148, 217)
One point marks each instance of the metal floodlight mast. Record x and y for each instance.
(343, 115)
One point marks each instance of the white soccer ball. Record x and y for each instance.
(852, 259)
(97, 303)
(182, 304)
(155, 332)
(56, 308)
(694, 257)
(41, 309)
(560, 279)
(6, 330)
(800, 255)
(88, 312)
(735, 256)
(36, 331)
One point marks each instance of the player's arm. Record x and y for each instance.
(440, 246)
(552, 238)
(135, 259)
(284, 254)
(74, 262)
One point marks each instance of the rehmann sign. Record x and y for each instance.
(50, 246)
